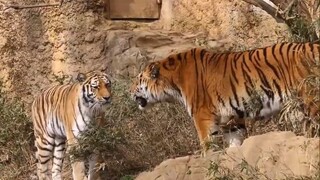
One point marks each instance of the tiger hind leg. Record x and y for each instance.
(206, 125)
(235, 132)
(44, 147)
(234, 137)
(58, 156)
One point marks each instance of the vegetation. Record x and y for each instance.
(16, 139)
(243, 170)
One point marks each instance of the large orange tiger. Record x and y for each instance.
(217, 87)
(60, 114)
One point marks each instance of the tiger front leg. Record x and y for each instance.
(206, 126)
(94, 160)
(78, 166)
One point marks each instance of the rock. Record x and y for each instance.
(41, 48)
(58, 55)
(152, 41)
(276, 155)
(3, 41)
(89, 38)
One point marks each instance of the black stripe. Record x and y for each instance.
(268, 92)
(197, 78)
(286, 71)
(233, 61)
(234, 75)
(244, 62)
(60, 127)
(185, 56)
(278, 90)
(234, 91)
(202, 53)
(220, 100)
(58, 158)
(44, 162)
(225, 61)
(179, 57)
(246, 76)
(237, 56)
(239, 112)
(251, 52)
(62, 149)
(43, 156)
(210, 59)
(202, 58)
(44, 149)
(257, 58)
(270, 65)
(60, 165)
(84, 94)
(46, 142)
(61, 144)
(80, 110)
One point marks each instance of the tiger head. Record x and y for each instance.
(156, 83)
(96, 88)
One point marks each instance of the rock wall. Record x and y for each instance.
(43, 46)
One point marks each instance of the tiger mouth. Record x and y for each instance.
(141, 101)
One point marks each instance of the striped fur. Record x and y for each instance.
(218, 87)
(60, 114)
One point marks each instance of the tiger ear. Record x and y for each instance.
(170, 64)
(81, 77)
(155, 71)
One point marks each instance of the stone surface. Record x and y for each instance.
(275, 155)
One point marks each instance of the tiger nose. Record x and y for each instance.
(107, 99)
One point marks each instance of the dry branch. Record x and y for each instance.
(294, 13)
(17, 6)
(268, 8)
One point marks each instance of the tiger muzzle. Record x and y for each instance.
(141, 101)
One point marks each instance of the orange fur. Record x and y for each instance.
(217, 87)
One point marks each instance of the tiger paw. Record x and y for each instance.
(203, 153)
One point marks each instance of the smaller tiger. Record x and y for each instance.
(60, 114)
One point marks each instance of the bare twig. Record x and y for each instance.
(285, 13)
(14, 6)
(268, 8)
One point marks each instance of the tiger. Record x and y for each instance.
(60, 114)
(216, 88)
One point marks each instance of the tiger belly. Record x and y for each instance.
(264, 109)
(56, 128)
(269, 108)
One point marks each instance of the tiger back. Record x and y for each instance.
(60, 114)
